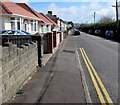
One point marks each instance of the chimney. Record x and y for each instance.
(50, 12)
(55, 16)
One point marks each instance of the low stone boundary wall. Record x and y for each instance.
(21, 54)
(17, 64)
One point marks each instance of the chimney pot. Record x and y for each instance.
(55, 15)
(50, 12)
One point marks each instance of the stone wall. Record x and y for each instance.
(17, 65)
(0, 74)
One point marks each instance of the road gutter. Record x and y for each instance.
(80, 68)
(85, 86)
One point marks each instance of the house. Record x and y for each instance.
(76, 25)
(62, 26)
(20, 16)
(14, 17)
(48, 27)
(44, 26)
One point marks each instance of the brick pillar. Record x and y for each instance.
(54, 39)
(60, 37)
(50, 42)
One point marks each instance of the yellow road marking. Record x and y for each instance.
(99, 80)
(94, 81)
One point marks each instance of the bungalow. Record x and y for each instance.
(13, 17)
(47, 26)
(44, 26)
(61, 24)
(20, 16)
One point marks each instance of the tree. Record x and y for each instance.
(105, 19)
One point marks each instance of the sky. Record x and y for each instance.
(78, 11)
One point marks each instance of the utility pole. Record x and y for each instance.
(116, 10)
(117, 21)
(94, 20)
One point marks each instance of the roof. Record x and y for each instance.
(52, 16)
(48, 19)
(12, 8)
(39, 15)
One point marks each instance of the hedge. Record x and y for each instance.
(103, 27)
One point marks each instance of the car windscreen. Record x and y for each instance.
(25, 32)
(1, 32)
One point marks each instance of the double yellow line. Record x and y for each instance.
(96, 80)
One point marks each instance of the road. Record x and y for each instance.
(103, 55)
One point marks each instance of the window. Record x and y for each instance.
(47, 28)
(34, 26)
(15, 23)
(18, 23)
(42, 30)
(31, 25)
(11, 32)
(25, 25)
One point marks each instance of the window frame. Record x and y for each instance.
(16, 20)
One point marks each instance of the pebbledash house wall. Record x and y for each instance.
(57, 39)
(6, 23)
(17, 65)
(5, 20)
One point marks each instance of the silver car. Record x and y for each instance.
(13, 32)
(109, 33)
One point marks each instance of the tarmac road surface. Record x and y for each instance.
(102, 54)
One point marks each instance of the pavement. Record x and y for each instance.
(0, 74)
(59, 81)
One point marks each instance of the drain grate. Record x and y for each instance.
(69, 51)
(20, 92)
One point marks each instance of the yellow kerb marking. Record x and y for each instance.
(94, 81)
(99, 80)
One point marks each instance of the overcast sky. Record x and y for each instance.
(78, 11)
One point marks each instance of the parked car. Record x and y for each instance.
(26, 32)
(76, 32)
(98, 32)
(109, 33)
(13, 32)
(90, 31)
